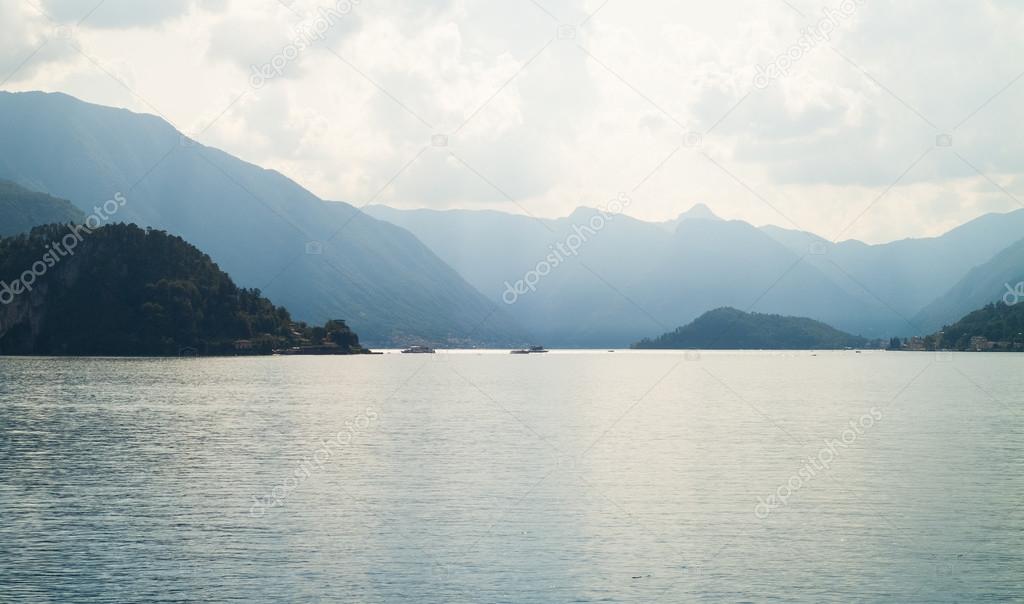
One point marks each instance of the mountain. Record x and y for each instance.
(731, 329)
(21, 209)
(631, 278)
(699, 211)
(124, 291)
(1000, 325)
(997, 279)
(262, 228)
(909, 274)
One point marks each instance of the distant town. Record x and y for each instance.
(975, 344)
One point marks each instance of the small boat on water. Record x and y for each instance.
(419, 350)
(530, 350)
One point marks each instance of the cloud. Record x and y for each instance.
(279, 39)
(28, 43)
(555, 120)
(116, 14)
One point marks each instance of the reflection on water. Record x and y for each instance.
(567, 477)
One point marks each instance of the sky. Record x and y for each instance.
(867, 119)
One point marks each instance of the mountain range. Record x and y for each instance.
(461, 277)
(634, 279)
(321, 259)
(912, 274)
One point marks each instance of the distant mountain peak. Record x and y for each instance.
(699, 211)
(582, 212)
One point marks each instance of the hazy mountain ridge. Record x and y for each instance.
(671, 272)
(22, 209)
(635, 278)
(993, 281)
(909, 274)
(257, 224)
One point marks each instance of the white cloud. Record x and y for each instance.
(28, 42)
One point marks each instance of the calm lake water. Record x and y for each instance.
(486, 477)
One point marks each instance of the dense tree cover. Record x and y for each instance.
(21, 209)
(997, 322)
(125, 291)
(728, 328)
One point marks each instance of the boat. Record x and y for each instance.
(530, 350)
(419, 350)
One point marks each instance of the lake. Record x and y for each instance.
(486, 477)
